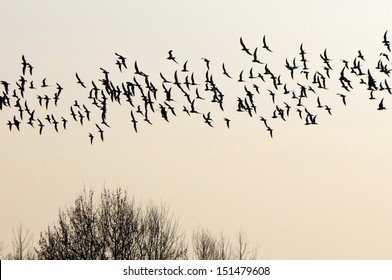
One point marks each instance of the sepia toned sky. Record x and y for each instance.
(311, 192)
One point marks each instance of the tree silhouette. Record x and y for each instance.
(22, 245)
(206, 246)
(116, 228)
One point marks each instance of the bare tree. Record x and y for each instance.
(120, 225)
(116, 228)
(206, 246)
(243, 250)
(22, 244)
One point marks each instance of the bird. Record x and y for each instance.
(41, 126)
(207, 119)
(193, 111)
(10, 124)
(64, 122)
(163, 112)
(55, 123)
(343, 98)
(184, 67)
(240, 76)
(119, 64)
(24, 64)
(381, 105)
(207, 62)
(47, 99)
(73, 114)
(325, 59)
(198, 95)
(6, 86)
(224, 71)
(328, 109)
(386, 42)
(91, 138)
(171, 57)
(244, 48)
(265, 46)
(100, 131)
(87, 112)
(163, 78)
(121, 59)
(291, 67)
(227, 122)
(269, 129)
(81, 117)
(44, 83)
(16, 123)
(319, 102)
(255, 59)
(134, 121)
(80, 81)
(186, 110)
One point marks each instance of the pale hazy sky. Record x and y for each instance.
(319, 192)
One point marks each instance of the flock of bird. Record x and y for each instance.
(303, 92)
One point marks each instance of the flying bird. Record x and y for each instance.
(207, 119)
(224, 71)
(134, 121)
(227, 122)
(171, 57)
(386, 42)
(100, 131)
(381, 105)
(80, 81)
(244, 48)
(265, 46)
(44, 83)
(91, 138)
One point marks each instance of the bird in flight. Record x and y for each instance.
(207, 119)
(171, 57)
(381, 105)
(227, 122)
(91, 138)
(386, 42)
(244, 48)
(44, 83)
(134, 121)
(80, 81)
(265, 46)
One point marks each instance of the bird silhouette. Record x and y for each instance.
(100, 131)
(184, 67)
(207, 119)
(244, 48)
(80, 81)
(265, 46)
(224, 71)
(91, 138)
(134, 121)
(227, 122)
(171, 57)
(121, 59)
(44, 83)
(386, 42)
(381, 105)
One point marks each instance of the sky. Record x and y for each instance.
(311, 192)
